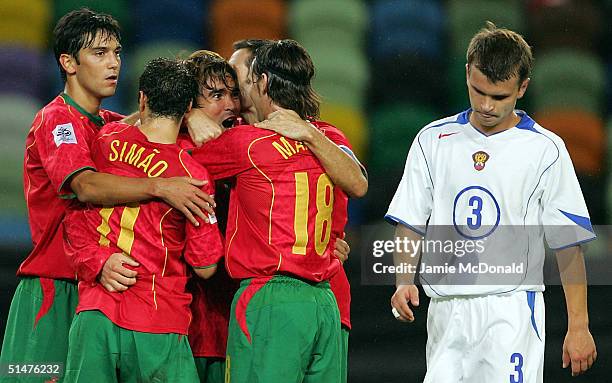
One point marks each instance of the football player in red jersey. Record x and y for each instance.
(284, 213)
(284, 122)
(58, 168)
(219, 100)
(151, 237)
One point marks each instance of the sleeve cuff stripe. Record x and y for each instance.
(63, 184)
(574, 244)
(394, 220)
(204, 267)
(348, 151)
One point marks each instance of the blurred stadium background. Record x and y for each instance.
(384, 69)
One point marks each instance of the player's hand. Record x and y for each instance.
(405, 294)
(114, 276)
(185, 195)
(201, 127)
(288, 123)
(342, 250)
(579, 350)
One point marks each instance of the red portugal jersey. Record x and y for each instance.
(341, 288)
(212, 300)
(285, 212)
(157, 236)
(339, 283)
(57, 147)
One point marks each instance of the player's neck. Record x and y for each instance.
(89, 102)
(267, 110)
(161, 130)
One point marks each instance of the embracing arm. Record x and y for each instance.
(344, 170)
(183, 193)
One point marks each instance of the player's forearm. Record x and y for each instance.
(403, 257)
(108, 189)
(576, 301)
(343, 170)
(573, 278)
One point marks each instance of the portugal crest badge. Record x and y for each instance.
(480, 159)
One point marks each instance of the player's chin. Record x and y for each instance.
(489, 123)
(107, 91)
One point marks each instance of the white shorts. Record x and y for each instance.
(493, 338)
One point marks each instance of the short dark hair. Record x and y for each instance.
(500, 53)
(169, 86)
(290, 70)
(207, 67)
(251, 45)
(77, 30)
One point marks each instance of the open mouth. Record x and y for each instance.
(113, 77)
(229, 122)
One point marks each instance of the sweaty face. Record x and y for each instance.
(238, 61)
(493, 103)
(220, 102)
(99, 66)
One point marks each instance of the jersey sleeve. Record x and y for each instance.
(203, 243)
(338, 138)
(565, 216)
(64, 150)
(110, 116)
(81, 244)
(413, 200)
(227, 155)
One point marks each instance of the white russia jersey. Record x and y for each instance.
(478, 186)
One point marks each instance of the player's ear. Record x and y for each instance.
(262, 84)
(523, 87)
(467, 72)
(142, 101)
(68, 63)
(189, 107)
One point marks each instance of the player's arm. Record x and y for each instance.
(203, 244)
(579, 349)
(182, 193)
(69, 165)
(225, 157)
(343, 169)
(203, 248)
(201, 127)
(406, 291)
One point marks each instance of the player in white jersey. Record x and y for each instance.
(493, 176)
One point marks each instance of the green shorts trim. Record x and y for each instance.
(38, 324)
(284, 330)
(101, 352)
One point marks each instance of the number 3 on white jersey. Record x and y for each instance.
(476, 212)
